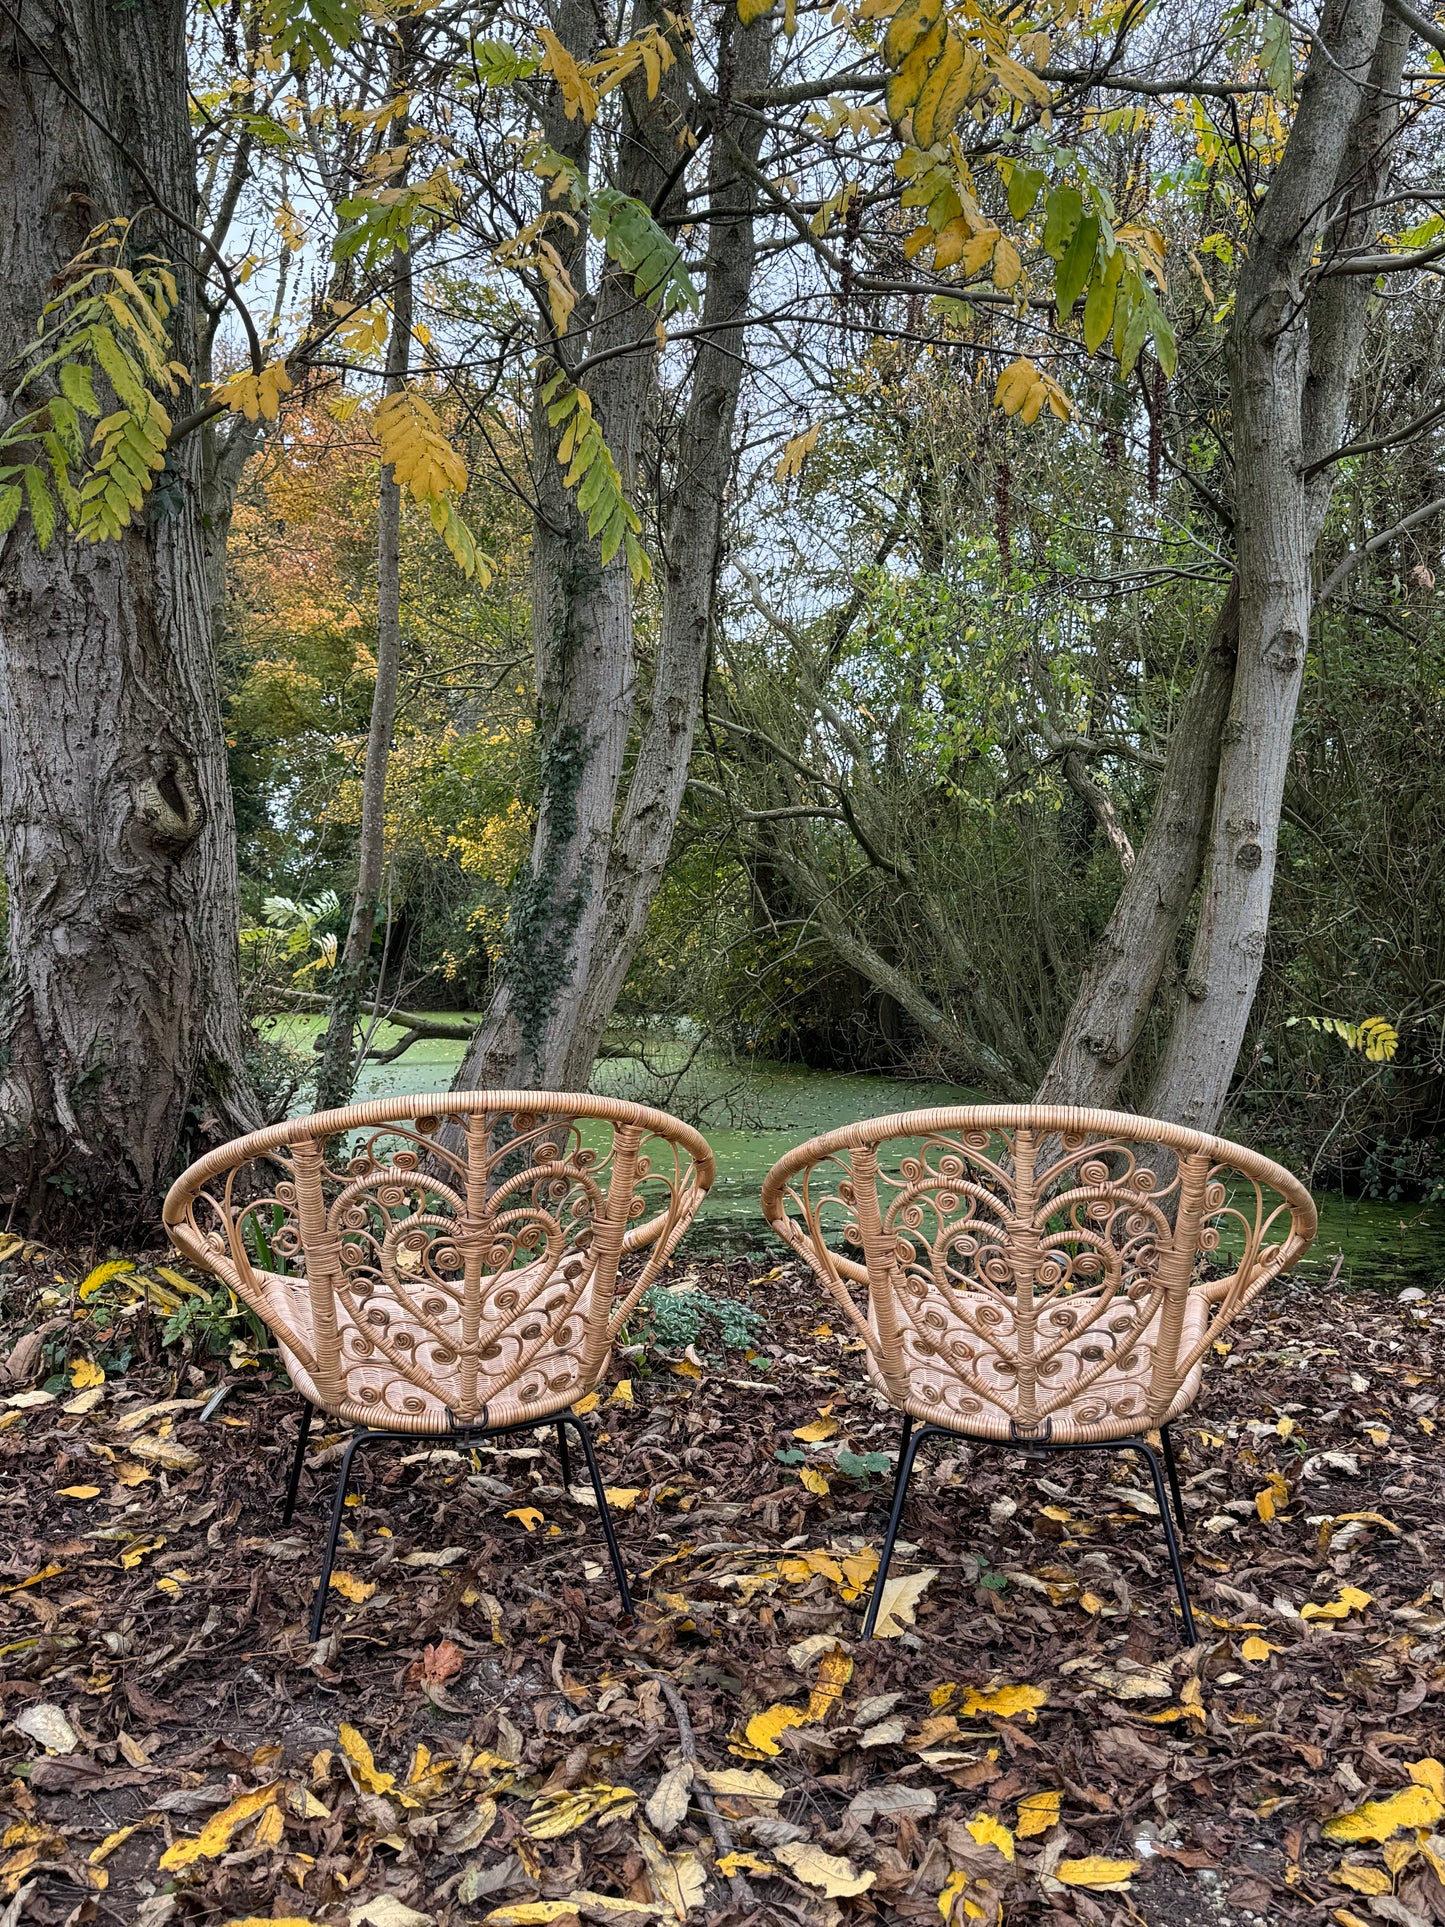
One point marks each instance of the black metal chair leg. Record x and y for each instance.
(562, 1455)
(907, 1451)
(338, 1512)
(1161, 1497)
(614, 1551)
(1173, 1471)
(293, 1484)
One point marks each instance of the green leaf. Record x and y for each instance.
(1073, 272)
(1099, 307)
(78, 387)
(498, 63)
(12, 500)
(1023, 190)
(42, 505)
(1063, 211)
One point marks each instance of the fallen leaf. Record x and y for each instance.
(170, 1453)
(835, 1669)
(621, 1392)
(441, 1662)
(553, 1814)
(622, 1498)
(435, 1561)
(1412, 1806)
(1428, 1773)
(679, 1880)
(1364, 1880)
(743, 1862)
(1348, 1599)
(990, 1832)
(667, 1807)
(814, 1482)
(750, 1783)
(84, 1402)
(531, 1913)
(385, 1910)
(369, 1778)
(1255, 1648)
(80, 1492)
(839, 1879)
(818, 1429)
(130, 1474)
(888, 1732)
(84, 1373)
(216, 1836)
(47, 1725)
(358, 1591)
(526, 1516)
(1038, 1813)
(900, 1603)
(1005, 1701)
(588, 1404)
(763, 1728)
(1110, 1876)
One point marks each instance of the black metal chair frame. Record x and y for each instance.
(908, 1452)
(461, 1435)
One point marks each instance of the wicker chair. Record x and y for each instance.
(445, 1266)
(1033, 1273)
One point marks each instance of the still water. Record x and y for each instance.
(751, 1113)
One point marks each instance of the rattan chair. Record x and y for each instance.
(1038, 1276)
(445, 1267)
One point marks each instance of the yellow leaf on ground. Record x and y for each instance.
(270, 1828)
(1349, 1599)
(1256, 1648)
(80, 1492)
(133, 1554)
(679, 1880)
(685, 1368)
(1364, 1880)
(1264, 1505)
(1111, 1876)
(839, 1879)
(751, 1783)
(268, 1920)
(835, 1669)
(84, 1373)
(102, 1275)
(130, 1474)
(763, 1728)
(358, 1591)
(216, 1836)
(814, 1482)
(525, 1515)
(1412, 1806)
(817, 1431)
(951, 1889)
(622, 1498)
(742, 1862)
(989, 1832)
(621, 1392)
(364, 1770)
(900, 1603)
(531, 1913)
(1004, 1701)
(588, 1404)
(111, 1841)
(553, 1814)
(169, 1453)
(1428, 1773)
(1038, 1813)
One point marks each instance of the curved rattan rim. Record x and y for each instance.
(387, 1110)
(1049, 1118)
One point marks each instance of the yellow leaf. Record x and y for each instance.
(111, 1841)
(525, 1515)
(1264, 1505)
(131, 1474)
(364, 1769)
(814, 1482)
(216, 1836)
(622, 1498)
(84, 1373)
(1256, 1648)
(684, 1368)
(1038, 1813)
(1112, 1876)
(735, 1862)
(578, 93)
(1378, 1434)
(1349, 1599)
(835, 1669)
(749, 1782)
(1091, 1602)
(270, 1828)
(531, 1913)
(80, 1492)
(621, 1392)
(1345, 1918)
(1285, 1428)
(1412, 1806)
(989, 1832)
(1007, 266)
(553, 1814)
(588, 1404)
(1428, 1773)
(257, 397)
(949, 1892)
(133, 1554)
(900, 1603)
(678, 1879)
(763, 1728)
(1364, 1880)
(358, 1591)
(839, 1879)
(1005, 1701)
(101, 1275)
(795, 453)
(941, 1695)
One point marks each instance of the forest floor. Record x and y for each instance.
(481, 1737)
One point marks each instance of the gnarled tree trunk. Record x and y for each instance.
(124, 1039)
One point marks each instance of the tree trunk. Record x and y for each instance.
(337, 1066)
(125, 1041)
(579, 907)
(1292, 356)
(1113, 1001)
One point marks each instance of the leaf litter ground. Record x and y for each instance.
(481, 1737)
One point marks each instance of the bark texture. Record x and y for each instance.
(124, 1039)
(578, 911)
(1295, 341)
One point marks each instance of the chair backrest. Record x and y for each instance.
(431, 1262)
(1034, 1270)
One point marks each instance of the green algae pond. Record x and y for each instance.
(752, 1112)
